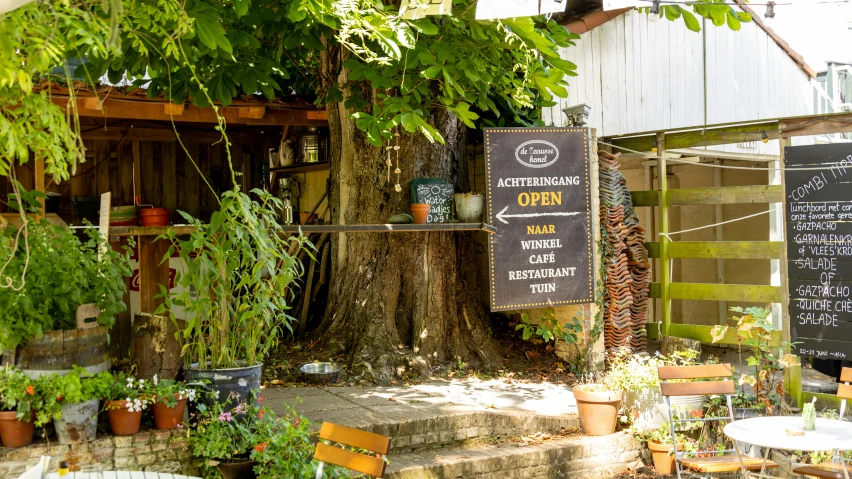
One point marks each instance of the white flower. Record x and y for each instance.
(190, 395)
(216, 393)
(156, 380)
(141, 382)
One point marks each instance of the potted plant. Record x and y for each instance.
(263, 445)
(660, 444)
(170, 398)
(71, 401)
(240, 269)
(598, 404)
(765, 393)
(19, 402)
(636, 375)
(46, 273)
(469, 206)
(126, 399)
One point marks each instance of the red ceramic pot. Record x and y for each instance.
(154, 217)
(420, 212)
(13, 432)
(168, 417)
(121, 420)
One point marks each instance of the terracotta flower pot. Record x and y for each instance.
(598, 410)
(122, 421)
(237, 470)
(664, 463)
(154, 217)
(420, 212)
(13, 432)
(168, 417)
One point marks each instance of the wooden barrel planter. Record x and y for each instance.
(58, 351)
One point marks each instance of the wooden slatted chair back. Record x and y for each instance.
(846, 375)
(696, 388)
(373, 466)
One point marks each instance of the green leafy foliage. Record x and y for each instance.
(18, 393)
(719, 12)
(237, 283)
(74, 387)
(46, 278)
(281, 444)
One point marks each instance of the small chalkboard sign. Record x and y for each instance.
(437, 194)
(818, 210)
(539, 201)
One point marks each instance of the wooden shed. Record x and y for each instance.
(153, 152)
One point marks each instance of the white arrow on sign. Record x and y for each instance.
(502, 214)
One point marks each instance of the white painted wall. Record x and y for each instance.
(640, 76)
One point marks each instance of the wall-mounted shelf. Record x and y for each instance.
(389, 228)
(301, 168)
(149, 230)
(379, 228)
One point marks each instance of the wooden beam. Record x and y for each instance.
(702, 333)
(737, 133)
(725, 292)
(168, 135)
(318, 115)
(665, 263)
(719, 213)
(90, 103)
(153, 271)
(254, 112)
(726, 195)
(725, 155)
(149, 110)
(38, 172)
(719, 249)
(174, 109)
(645, 198)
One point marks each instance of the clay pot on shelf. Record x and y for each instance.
(122, 421)
(420, 212)
(664, 463)
(154, 217)
(166, 417)
(598, 409)
(14, 432)
(469, 207)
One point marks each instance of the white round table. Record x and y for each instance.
(770, 433)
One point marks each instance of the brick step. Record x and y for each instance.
(442, 428)
(580, 457)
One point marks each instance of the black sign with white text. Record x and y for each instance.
(818, 212)
(539, 202)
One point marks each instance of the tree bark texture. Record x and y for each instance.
(399, 301)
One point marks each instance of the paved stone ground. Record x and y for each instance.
(360, 407)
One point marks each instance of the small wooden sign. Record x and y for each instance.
(440, 198)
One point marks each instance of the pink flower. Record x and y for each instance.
(225, 416)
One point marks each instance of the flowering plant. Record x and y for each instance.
(169, 391)
(18, 393)
(281, 445)
(75, 387)
(133, 391)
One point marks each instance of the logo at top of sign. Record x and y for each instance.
(536, 153)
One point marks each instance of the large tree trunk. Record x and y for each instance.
(400, 301)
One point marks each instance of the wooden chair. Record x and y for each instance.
(833, 470)
(373, 466)
(729, 462)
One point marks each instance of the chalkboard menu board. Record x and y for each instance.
(818, 213)
(438, 195)
(538, 200)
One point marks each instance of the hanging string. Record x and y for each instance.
(669, 234)
(726, 167)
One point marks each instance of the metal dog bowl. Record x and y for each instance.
(320, 373)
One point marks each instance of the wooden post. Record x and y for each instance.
(153, 271)
(39, 184)
(721, 276)
(777, 232)
(665, 272)
(599, 348)
(154, 349)
(652, 233)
